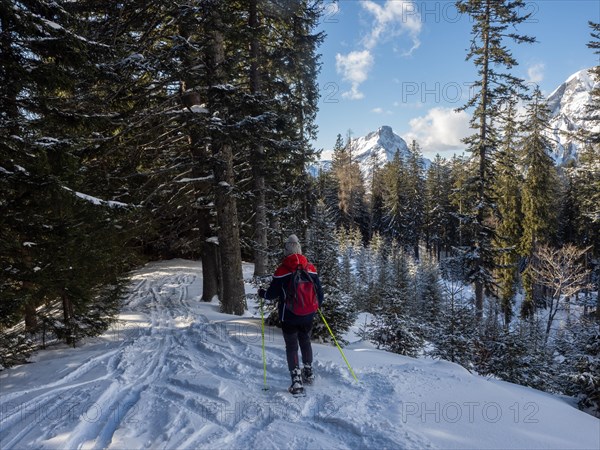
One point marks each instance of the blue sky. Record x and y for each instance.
(402, 63)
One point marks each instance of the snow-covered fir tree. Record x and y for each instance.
(323, 251)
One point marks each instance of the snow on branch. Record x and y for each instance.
(97, 201)
(192, 180)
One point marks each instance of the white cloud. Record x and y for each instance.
(393, 18)
(380, 110)
(535, 73)
(442, 129)
(390, 20)
(354, 67)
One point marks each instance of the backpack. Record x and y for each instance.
(301, 296)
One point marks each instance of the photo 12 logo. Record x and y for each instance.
(446, 11)
(451, 92)
(425, 11)
(469, 412)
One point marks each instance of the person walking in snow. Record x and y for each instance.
(296, 323)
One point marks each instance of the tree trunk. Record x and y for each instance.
(31, 322)
(481, 241)
(211, 275)
(200, 169)
(598, 297)
(67, 317)
(9, 88)
(260, 221)
(233, 297)
(210, 272)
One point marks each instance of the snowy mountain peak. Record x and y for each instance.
(382, 145)
(572, 96)
(377, 147)
(569, 106)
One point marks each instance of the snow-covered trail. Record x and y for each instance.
(175, 373)
(170, 378)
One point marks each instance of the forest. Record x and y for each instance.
(134, 131)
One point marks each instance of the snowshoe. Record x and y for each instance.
(296, 389)
(307, 374)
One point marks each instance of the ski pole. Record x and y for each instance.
(336, 343)
(262, 322)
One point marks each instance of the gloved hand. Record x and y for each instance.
(261, 292)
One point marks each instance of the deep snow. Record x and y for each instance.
(175, 373)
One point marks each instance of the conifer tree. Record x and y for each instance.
(414, 210)
(50, 56)
(351, 188)
(593, 110)
(493, 21)
(508, 231)
(538, 193)
(393, 328)
(428, 292)
(590, 167)
(515, 355)
(376, 202)
(463, 200)
(395, 198)
(455, 338)
(586, 359)
(438, 219)
(332, 195)
(324, 251)
(258, 150)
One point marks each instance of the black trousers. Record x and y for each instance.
(297, 336)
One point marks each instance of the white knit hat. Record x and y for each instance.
(292, 245)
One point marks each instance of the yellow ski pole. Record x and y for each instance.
(262, 322)
(336, 343)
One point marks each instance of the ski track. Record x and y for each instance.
(178, 381)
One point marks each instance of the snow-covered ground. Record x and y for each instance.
(175, 373)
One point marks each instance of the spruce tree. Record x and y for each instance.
(393, 327)
(539, 206)
(593, 110)
(508, 231)
(438, 219)
(351, 188)
(414, 210)
(324, 252)
(590, 167)
(455, 338)
(493, 21)
(395, 199)
(376, 203)
(61, 245)
(331, 177)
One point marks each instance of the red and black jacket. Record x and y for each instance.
(281, 280)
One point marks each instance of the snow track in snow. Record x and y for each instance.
(174, 379)
(174, 373)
